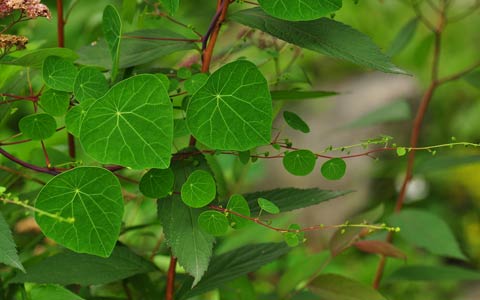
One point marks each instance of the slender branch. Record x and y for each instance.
(28, 165)
(171, 279)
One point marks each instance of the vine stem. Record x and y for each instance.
(171, 278)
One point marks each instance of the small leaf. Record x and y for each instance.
(380, 247)
(403, 37)
(299, 162)
(89, 84)
(213, 222)
(300, 95)
(268, 206)
(157, 183)
(194, 83)
(199, 189)
(171, 6)
(336, 287)
(433, 273)
(8, 251)
(294, 121)
(59, 73)
(334, 169)
(401, 151)
(76, 115)
(238, 204)
(473, 78)
(184, 73)
(293, 238)
(112, 31)
(301, 10)
(52, 292)
(244, 156)
(38, 126)
(54, 102)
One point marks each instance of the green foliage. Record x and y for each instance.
(268, 206)
(403, 38)
(302, 11)
(336, 287)
(59, 73)
(35, 58)
(300, 95)
(38, 126)
(299, 162)
(294, 121)
(238, 204)
(171, 5)
(199, 189)
(334, 169)
(112, 31)
(52, 292)
(433, 273)
(89, 84)
(76, 115)
(54, 102)
(392, 112)
(8, 252)
(157, 183)
(213, 222)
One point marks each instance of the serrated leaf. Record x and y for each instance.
(324, 35)
(194, 83)
(336, 287)
(38, 126)
(433, 273)
(171, 5)
(299, 162)
(132, 125)
(334, 169)
(288, 199)
(74, 268)
(76, 115)
(157, 183)
(8, 251)
(238, 204)
(199, 189)
(233, 109)
(54, 102)
(52, 292)
(35, 58)
(112, 31)
(89, 84)
(426, 230)
(403, 37)
(59, 73)
(301, 10)
(268, 206)
(96, 209)
(295, 122)
(380, 247)
(300, 95)
(213, 222)
(233, 264)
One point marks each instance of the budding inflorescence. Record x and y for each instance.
(31, 8)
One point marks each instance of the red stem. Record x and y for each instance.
(171, 279)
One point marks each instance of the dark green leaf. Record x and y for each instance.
(334, 169)
(184, 73)
(38, 126)
(336, 287)
(171, 5)
(92, 198)
(391, 112)
(89, 84)
(199, 189)
(301, 10)
(52, 292)
(403, 37)
(194, 83)
(268, 206)
(233, 109)
(238, 204)
(54, 102)
(35, 58)
(473, 78)
(238, 289)
(433, 273)
(213, 222)
(157, 183)
(180, 128)
(299, 162)
(112, 31)
(76, 115)
(74, 268)
(59, 73)
(295, 122)
(300, 95)
(8, 251)
(324, 35)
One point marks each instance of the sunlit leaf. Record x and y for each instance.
(334, 169)
(299, 162)
(199, 189)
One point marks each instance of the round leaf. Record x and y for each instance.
(195, 82)
(132, 125)
(199, 189)
(299, 162)
(38, 126)
(89, 84)
(294, 121)
(92, 196)
(293, 238)
(238, 204)
(268, 206)
(157, 183)
(233, 109)
(213, 222)
(300, 10)
(334, 169)
(59, 73)
(75, 116)
(54, 102)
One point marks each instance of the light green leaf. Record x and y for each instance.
(300, 10)
(334, 169)
(401, 151)
(92, 196)
(129, 8)
(59, 73)
(238, 204)
(293, 238)
(54, 102)
(112, 31)
(295, 122)
(76, 115)
(132, 125)
(336, 287)
(233, 109)
(157, 183)
(35, 58)
(403, 37)
(74, 268)
(300, 95)
(299, 162)
(8, 251)
(213, 222)
(171, 5)
(324, 35)
(194, 83)
(426, 230)
(433, 273)
(268, 206)
(52, 292)
(89, 84)
(38, 126)
(199, 189)
(391, 112)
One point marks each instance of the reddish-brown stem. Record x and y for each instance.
(28, 165)
(212, 38)
(169, 292)
(45, 153)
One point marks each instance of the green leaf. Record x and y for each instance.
(334, 169)
(293, 238)
(74, 268)
(38, 126)
(89, 84)
(239, 289)
(199, 189)
(288, 199)
(233, 109)
(433, 273)
(428, 231)
(92, 197)
(52, 292)
(268, 206)
(300, 95)
(132, 125)
(299, 162)
(238, 204)
(233, 264)
(129, 8)
(112, 31)
(180, 128)
(194, 83)
(301, 10)
(403, 37)
(324, 35)
(54, 102)
(391, 112)
(401, 151)
(35, 58)
(157, 183)
(8, 251)
(295, 122)
(213, 222)
(184, 73)
(59, 73)
(76, 115)
(135, 51)
(336, 287)
(473, 78)
(171, 5)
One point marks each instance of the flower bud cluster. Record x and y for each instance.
(31, 8)
(8, 41)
